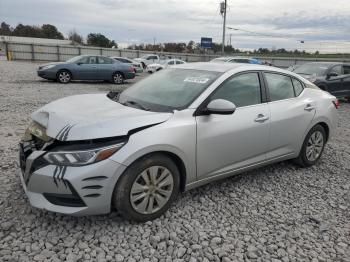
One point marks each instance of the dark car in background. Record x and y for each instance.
(333, 77)
(138, 68)
(87, 67)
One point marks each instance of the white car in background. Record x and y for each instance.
(163, 64)
(148, 59)
(137, 65)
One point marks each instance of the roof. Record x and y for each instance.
(222, 67)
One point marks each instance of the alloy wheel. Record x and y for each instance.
(118, 79)
(64, 77)
(314, 146)
(151, 190)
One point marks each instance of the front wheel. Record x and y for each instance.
(64, 76)
(313, 146)
(147, 188)
(118, 78)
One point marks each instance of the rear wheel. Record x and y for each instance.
(147, 188)
(118, 78)
(313, 146)
(64, 76)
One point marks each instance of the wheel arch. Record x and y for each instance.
(118, 71)
(179, 162)
(325, 127)
(64, 69)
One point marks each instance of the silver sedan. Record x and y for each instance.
(176, 130)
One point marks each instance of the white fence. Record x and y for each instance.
(46, 52)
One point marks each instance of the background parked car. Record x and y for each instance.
(163, 64)
(330, 76)
(148, 59)
(87, 67)
(292, 68)
(236, 59)
(138, 68)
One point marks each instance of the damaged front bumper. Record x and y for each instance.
(82, 190)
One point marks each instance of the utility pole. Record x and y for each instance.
(223, 8)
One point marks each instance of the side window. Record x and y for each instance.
(171, 62)
(346, 69)
(84, 60)
(242, 90)
(92, 60)
(240, 60)
(104, 60)
(280, 86)
(337, 69)
(152, 57)
(298, 87)
(178, 62)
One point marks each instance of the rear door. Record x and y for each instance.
(291, 114)
(105, 68)
(229, 142)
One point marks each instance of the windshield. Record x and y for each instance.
(311, 69)
(169, 89)
(74, 59)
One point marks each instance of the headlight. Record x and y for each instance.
(48, 66)
(83, 157)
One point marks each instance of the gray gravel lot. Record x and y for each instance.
(276, 213)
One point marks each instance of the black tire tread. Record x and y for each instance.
(122, 189)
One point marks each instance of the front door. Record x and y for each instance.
(346, 81)
(335, 83)
(86, 68)
(229, 142)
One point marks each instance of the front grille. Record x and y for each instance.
(68, 200)
(38, 143)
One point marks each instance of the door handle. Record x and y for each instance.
(309, 107)
(261, 118)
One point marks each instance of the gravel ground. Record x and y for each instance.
(276, 213)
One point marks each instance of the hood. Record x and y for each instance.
(92, 116)
(53, 63)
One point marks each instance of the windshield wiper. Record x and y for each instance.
(134, 103)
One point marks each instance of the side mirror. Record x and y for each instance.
(79, 63)
(220, 107)
(332, 74)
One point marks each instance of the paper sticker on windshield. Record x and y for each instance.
(197, 80)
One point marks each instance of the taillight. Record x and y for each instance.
(336, 103)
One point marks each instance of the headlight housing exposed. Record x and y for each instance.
(81, 157)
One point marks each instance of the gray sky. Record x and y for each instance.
(323, 24)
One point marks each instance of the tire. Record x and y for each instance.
(140, 201)
(64, 76)
(311, 152)
(118, 78)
